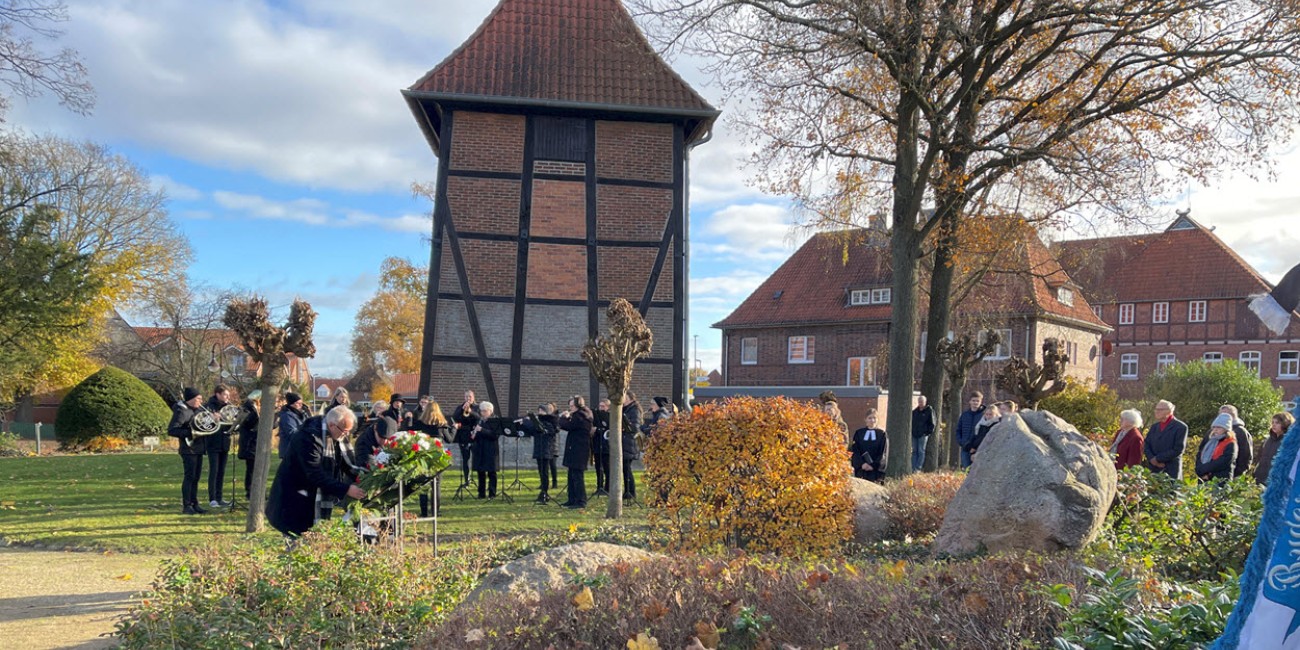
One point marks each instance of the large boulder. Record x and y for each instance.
(532, 575)
(1036, 484)
(869, 521)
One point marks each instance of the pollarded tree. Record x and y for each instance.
(268, 345)
(959, 354)
(864, 108)
(611, 359)
(1032, 382)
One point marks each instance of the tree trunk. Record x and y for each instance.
(614, 508)
(902, 344)
(938, 317)
(256, 522)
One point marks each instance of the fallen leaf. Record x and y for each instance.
(475, 635)
(707, 634)
(654, 610)
(696, 645)
(124, 576)
(583, 600)
(643, 641)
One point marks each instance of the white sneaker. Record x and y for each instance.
(214, 504)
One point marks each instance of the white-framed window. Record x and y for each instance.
(1212, 357)
(1126, 314)
(801, 349)
(1288, 364)
(749, 351)
(1196, 311)
(1096, 309)
(1128, 366)
(860, 297)
(861, 371)
(1065, 295)
(1003, 349)
(881, 296)
(1164, 360)
(1251, 360)
(1160, 312)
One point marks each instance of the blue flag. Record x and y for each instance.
(1267, 615)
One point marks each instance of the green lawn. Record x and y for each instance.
(131, 502)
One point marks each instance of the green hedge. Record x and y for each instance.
(111, 402)
(1198, 389)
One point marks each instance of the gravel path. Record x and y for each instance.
(59, 599)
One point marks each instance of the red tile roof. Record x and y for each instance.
(572, 51)
(1093, 263)
(407, 384)
(813, 286)
(1185, 262)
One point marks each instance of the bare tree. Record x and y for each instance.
(269, 345)
(611, 359)
(29, 70)
(863, 108)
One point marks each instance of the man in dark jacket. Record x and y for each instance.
(965, 431)
(577, 421)
(631, 415)
(1165, 441)
(192, 449)
(1245, 444)
(314, 463)
(218, 449)
(291, 417)
(922, 428)
(248, 439)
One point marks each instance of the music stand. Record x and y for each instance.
(516, 483)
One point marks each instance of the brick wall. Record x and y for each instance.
(634, 150)
(1147, 356)
(632, 213)
(554, 332)
(833, 347)
(559, 209)
(557, 271)
(484, 204)
(487, 142)
(490, 266)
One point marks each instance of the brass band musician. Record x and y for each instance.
(192, 447)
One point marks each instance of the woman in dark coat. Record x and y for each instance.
(578, 422)
(313, 463)
(1126, 449)
(600, 447)
(248, 441)
(543, 428)
(466, 418)
(486, 448)
(1217, 454)
(631, 415)
(991, 416)
(1278, 426)
(870, 450)
(373, 434)
(291, 418)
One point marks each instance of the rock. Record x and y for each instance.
(1036, 484)
(531, 575)
(869, 521)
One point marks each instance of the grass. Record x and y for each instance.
(131, 503)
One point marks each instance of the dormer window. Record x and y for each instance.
(1065, 296)
(861, 297)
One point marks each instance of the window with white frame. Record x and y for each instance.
(749, 351)
(1160, 312)
(1003, 349)
(1128, 366)
(861, 371)
(1096, 309)
(1251, 360)
(1065, 295)
(1164, 360)
(800, 349)
(881, 296)
(1288, 364)
(1126, 314)
(860, 297)
(1196, 311)
(1212, 357)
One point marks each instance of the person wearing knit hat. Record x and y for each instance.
(1218, 452)
(190, 393)
(191, 449)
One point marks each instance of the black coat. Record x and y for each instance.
(874, 451)
(179, 427)
(1245, 450)
(465, 423)
(219, 441)
(371, 440)
(577, 445)
(1166, 443)
(600, 440)
(1221, 467)
(922, 421)
(631, 415)
(486, 447)
(982, 430)
(545, 432)
(290, 421)
(314, 463)
(248, 432)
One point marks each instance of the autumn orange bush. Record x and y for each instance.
(758, 474)
(106, 444)
(916, 504)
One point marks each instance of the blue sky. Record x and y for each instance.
(278, 131)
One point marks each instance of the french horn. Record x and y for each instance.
(205, 423)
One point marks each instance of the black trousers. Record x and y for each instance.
(545, 472)
(577, 487)
(629, 481)
(875, 476)
(555, 480)
(190, 483)
(602, 472)
(216, 473)
(248, 478)
(491, 484)
(464, 461)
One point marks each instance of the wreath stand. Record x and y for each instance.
(397, 514)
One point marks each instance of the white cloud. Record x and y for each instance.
(317, 213)
(756, 227)
(737, 284)
(175, 190)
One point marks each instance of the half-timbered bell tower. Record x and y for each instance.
(562, 142)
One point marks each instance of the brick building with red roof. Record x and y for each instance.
(1175, 296)
(823, 318)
